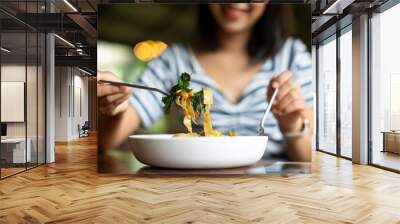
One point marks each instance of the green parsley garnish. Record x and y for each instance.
(184, 84)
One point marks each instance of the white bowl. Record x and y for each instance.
(198, 152)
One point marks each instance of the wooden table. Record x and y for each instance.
(391, 141)
(124, 162)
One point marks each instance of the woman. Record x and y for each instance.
(244, 53)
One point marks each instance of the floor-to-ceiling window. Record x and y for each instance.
(345, 56)
(385, 88)
(382, 69)
(327, 95)
(334, 73)
(22, 66)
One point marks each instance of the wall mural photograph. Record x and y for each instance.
(215, 74)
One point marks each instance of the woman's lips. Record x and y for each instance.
(232, 13)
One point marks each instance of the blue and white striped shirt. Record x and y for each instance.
(243, 116)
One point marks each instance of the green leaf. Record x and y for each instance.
(197, 102)
(184, 81)
(168, 100)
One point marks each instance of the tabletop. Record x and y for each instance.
(13, 140)
(124, 162)
(391, 132)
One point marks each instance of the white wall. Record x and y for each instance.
(80, 101)
(71, 94)
(16, 73)
(61, 104)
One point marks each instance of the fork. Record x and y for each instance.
(261, 128)
(134, 86)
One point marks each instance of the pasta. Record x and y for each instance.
(183, 100)
(193, 106)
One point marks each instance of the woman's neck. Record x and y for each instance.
(234, 43)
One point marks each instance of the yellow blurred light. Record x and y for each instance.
(149, 49)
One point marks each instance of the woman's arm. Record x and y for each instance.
(300, 149)
(115, 129)
(290, 109)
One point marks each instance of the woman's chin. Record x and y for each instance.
(235, 28)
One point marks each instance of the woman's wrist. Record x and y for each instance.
(298, 134)
(291, 126)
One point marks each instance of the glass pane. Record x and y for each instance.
(314, 71)
(41, 98)
(14, 152)
(385, 86)
(346, 94)
(327, 97)
(32, 87)
(32, 97)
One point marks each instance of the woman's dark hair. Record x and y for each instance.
(267, 36)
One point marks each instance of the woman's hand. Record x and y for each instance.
(113, 100)
(289, 108)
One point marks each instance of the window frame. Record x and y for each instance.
(378, 10)
(333, 37)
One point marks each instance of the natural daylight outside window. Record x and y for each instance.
(346, 94)
(385, 90)
(327, 96)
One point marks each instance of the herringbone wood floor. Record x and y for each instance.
(71, 191)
